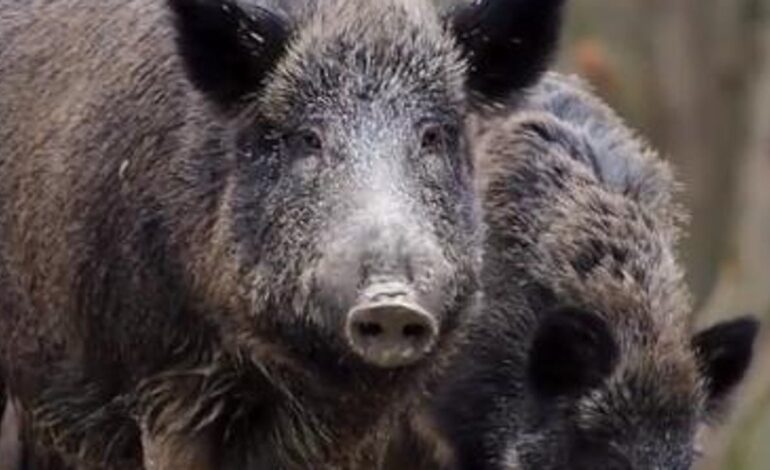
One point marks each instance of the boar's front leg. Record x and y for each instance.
(178, 413)
(10, 436)
(83, 422)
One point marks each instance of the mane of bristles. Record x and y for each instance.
(622, 160)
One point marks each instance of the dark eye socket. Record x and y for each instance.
(306, 140)
(431, 137)
(437, 137)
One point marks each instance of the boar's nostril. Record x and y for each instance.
(390, 332)
(414, 330)
(369, 329)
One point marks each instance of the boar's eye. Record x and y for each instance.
(437, 137)
(431, 137)
(305, 142)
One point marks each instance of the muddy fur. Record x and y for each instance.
(180, 183)
(584, 355)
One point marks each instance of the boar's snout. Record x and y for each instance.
(388, 328)
(384, 275)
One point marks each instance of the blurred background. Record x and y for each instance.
(693, 77)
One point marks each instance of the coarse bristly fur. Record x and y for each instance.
(584, 356)
(195, 193)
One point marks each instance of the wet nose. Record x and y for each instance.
(387, 328)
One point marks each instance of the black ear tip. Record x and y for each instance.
(746, 326)
(742, 330)
(745, 330)
(725, 351)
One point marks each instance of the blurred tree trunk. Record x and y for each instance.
(702, 55)
(744, 283)
(10, 447)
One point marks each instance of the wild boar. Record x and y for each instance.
(584, 356)
(237, 234)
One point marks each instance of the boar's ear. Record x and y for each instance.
(573, 351)
(724, 353)
(227, 51)
(508, 43)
